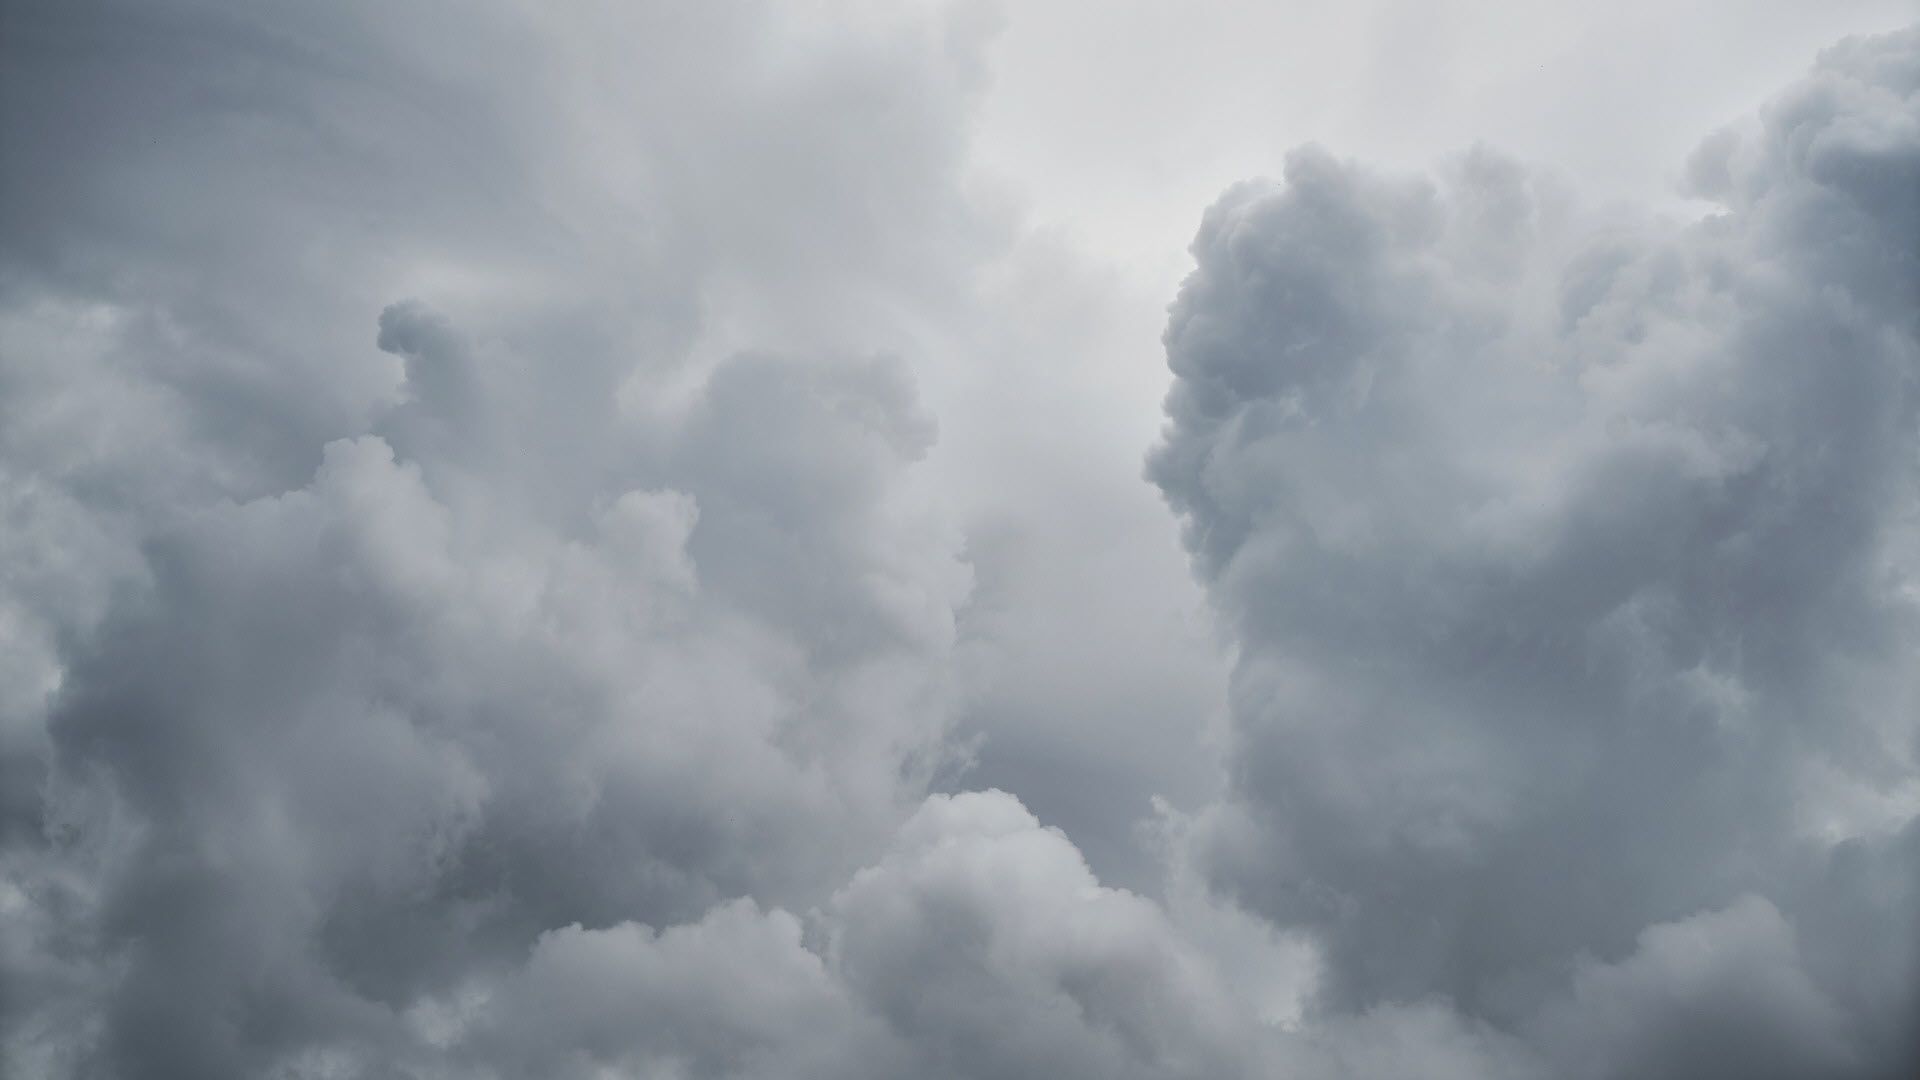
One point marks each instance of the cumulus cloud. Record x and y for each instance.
(1571, 571)
(480, 597)
(400, 572)
(358, 739)
(979, 945)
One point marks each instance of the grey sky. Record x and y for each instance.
(827, 538)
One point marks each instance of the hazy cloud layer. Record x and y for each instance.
(482, 594)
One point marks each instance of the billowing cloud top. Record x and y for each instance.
(1573, 575)
(478, 598)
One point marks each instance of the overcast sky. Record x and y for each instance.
(842, 538)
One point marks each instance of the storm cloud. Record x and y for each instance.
(594, 540)
(1571, 567)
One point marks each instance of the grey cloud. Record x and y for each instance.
(369, 741)
(987, 943)
(736, 994)
(1570, 575)
(355, 660)
(979, 945)
(1723, 991)
(221, 195)
(477, 599)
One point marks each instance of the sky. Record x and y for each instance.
(841, 538)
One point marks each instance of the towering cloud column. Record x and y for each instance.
(1572, 572)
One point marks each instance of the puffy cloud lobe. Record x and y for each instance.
(989, 946)
(374, 742)
(1571, 574)
(1722, 991)
(736, 994)
(978, 946)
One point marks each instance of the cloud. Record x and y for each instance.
(988, 944)
(979, 945)
(1721, 991)
(735, 994)
(483, 594)
(1570, 569)
(356, 740)
(367, 642)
